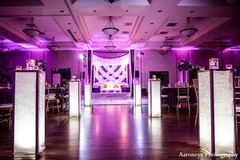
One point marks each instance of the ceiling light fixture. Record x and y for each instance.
(110, 46)
(31, 29)
(221, 46)
(53, 46)
(166, 46)
(110, 29)
(189, 30)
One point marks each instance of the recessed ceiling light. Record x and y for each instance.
(159, 10)
(111, 1)
(128, 24)
(62, 11)
(125, 32)
(163, 32)
(171, 24)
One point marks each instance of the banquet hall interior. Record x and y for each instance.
(119, 79)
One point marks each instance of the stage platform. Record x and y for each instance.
(115, 98)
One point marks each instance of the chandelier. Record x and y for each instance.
(166, 46)
(221, 46)
(53, 46)
(189, 30)
(31, 29)
(110, 29)
(3, 48)
(110, 46)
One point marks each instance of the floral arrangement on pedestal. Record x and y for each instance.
(184, 65)
(41, 64)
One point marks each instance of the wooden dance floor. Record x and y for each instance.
(116, 132)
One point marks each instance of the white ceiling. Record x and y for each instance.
(77, 24)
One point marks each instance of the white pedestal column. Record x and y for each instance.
(154, 98)
(74, 99)
(29, 113)
(217, 118)
(87, 94)
(137, 94)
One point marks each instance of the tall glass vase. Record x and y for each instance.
(184, 77)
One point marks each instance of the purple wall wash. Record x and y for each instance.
(231, 57)
(197, 58)
(15, 58)
(181, 55)
(201, 57)
(60, 59)
(152, 61)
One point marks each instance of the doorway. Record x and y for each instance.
(162, 75)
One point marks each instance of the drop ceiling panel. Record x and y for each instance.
(105, 2)
(8, 3)
(86, 18)
(201, 2)
(98, 23)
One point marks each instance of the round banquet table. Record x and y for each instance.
(172, 95)
(6, 95)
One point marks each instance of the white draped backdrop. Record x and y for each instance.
(114, 70)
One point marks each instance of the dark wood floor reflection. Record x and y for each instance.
(115, 132)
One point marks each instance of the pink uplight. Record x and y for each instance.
(27, 45)
(187, 48)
